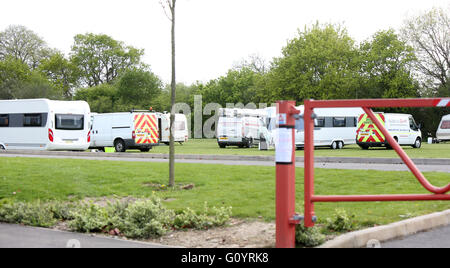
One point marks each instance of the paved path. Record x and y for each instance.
(17, 236)
(355, 166)
(438, 238)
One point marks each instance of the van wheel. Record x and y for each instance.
(364, 147)
(145, 150)
(119, 145)
(418, 143)
(250, 143)
(223, 146)
(388, 146)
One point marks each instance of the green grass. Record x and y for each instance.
(250, 190)
(210, 147)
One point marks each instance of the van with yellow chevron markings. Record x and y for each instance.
(402, 127)
(123, 131)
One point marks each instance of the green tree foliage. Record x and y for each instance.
(320, 63)
(61, 72)
(101, 98)
(385, 65)
(101, 59)
(138, 89)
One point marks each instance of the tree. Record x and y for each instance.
(63, 73)
(429, 35)
(102, 98)
(138, 89)
(320, 63)
(386, 67)
(101, 59)
(24, 45)
(171, 4)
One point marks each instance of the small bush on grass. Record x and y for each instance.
(308, 237)
(341, 222)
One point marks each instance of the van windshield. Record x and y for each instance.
(69, 122)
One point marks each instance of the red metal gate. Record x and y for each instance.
(309, 217)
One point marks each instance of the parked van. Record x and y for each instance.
(42, 124)
(180, 128)
(239, 127)
(133, 130)
(333, 127)
(443, 132)
(402, 127)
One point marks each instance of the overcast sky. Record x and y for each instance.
(212, 35)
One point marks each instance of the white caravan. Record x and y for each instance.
(180, 128)
(402, 127)
(239, 127)
(42, 124)
(443, 132)
(333, 127)
(132, 130)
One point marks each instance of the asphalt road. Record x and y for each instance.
(17, 236)
(354, 166)
(438, 238)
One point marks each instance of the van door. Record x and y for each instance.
(101, 131)
(413, 130)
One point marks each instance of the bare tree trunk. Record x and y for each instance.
(172, 99)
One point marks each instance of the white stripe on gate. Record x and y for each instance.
(443, 103)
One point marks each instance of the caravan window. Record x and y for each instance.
(319, 122)
(445, 124)
(69, 121)
(338, 121)
(4, 120)
(32, 120)
(179, 126)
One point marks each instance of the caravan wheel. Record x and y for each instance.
(340, 145)
(334, 145)
(2, 147)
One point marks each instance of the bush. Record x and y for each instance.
(89, 218)
(33, 214)
(308, 237)
(144, 219)
(190, 219)
(341, 222)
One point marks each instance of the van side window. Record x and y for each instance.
(4, 120)
(412, 124)
(319, 122)
(32, 120)
(338, 121)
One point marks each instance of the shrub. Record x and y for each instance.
(341, 222)
(144, 219)
(89, 218)
(33, 214)
(308, 237)
(190, 219)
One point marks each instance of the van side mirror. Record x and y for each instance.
(420, 125)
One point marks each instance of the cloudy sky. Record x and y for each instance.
(212, 35)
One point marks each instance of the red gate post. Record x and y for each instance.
(285, 175)
(309, 164)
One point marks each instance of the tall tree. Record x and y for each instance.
(100, 58)
(23, 44)
(320, 63)
(170, 5)
(429, 35)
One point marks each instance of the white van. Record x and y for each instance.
(133, 130)
(333, 127)
(443, 132)
(239, 127)
(402, 127)
(42, 124)
(180, 128)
